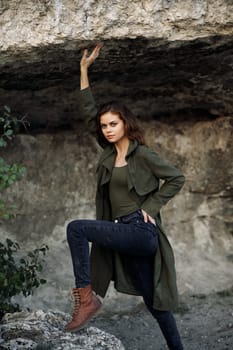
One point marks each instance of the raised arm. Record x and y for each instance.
(87, 105)
(85, 63)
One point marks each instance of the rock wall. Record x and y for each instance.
(60, 186)
(171, 62)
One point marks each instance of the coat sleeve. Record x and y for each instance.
(87, 108)
(173, 182)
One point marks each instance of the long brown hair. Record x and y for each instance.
(132, 129)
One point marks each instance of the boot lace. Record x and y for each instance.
(77, 300)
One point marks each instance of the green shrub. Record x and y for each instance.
(19, 273)
(8, 173)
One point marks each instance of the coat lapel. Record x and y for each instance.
(130, 160)
(105, 165)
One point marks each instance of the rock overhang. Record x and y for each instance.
(154, 77)
(160, 57)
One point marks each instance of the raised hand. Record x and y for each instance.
(85, 63)
(86, 60)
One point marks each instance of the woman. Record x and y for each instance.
(129, 245)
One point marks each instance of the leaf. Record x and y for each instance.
(7, 109)
(39, 268)
(2, 143)
(5, 216)
(43, 281)
(9, 132)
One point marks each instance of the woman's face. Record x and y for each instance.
(112, 126)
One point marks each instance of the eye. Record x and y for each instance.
(103, 126)
(113, 123)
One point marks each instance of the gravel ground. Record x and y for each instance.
(205, 322)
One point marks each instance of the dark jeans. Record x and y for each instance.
(127, 235)
(141, 272)
(137, 242)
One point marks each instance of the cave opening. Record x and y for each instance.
(169, 82)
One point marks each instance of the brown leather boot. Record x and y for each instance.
(86, 304)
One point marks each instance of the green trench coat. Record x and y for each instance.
(145, 169)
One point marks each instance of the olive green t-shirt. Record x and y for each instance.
(121, 201)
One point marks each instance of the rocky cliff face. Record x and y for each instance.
(171, 62)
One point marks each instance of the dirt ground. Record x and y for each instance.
(205, 322)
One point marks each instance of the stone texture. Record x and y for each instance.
(165, 55)
(54, 21)
(60, 186)
(32, 330)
